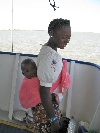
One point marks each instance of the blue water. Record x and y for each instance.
(82, 46)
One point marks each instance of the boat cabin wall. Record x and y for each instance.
(81, 100)
(7, 62)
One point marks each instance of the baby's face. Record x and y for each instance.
(29, 70)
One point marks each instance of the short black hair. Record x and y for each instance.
(57, 24)
(27, 61)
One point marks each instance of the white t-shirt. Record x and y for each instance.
(49, 66)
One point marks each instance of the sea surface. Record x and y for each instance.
(82, 46)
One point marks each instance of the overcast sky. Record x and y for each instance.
(36, 14)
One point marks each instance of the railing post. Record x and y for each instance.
(13, 86)
(68, 109)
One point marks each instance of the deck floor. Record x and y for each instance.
(4, 116)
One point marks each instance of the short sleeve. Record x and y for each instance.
(49, 68)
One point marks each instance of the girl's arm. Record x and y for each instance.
(46, 99)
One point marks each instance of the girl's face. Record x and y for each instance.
(62, 36)
(29, 70)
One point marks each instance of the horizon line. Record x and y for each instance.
(42, 30)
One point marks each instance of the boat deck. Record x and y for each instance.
(4, 116)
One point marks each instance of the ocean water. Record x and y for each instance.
(82, 46)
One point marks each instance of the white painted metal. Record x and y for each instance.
(68, 109)
(86, 92)
(95, 123)
(6, 74)
(13, 86)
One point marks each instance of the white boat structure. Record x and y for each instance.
(81, 101)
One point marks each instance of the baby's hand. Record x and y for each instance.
(57, 98)
(64, 91)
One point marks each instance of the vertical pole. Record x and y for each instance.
(12, 27)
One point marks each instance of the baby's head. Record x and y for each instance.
(29, 69)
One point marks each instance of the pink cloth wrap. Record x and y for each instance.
(29, 95)
(63, 80)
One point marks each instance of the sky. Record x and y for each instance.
(84, 15)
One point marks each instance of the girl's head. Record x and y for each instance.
(29, 69)
(60, 32)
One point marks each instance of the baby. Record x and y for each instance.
(29, 70)
(29, 95)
